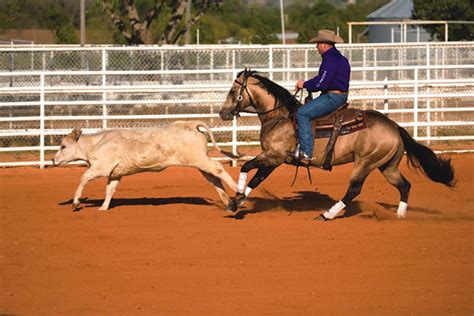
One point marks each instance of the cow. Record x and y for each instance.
(116, 153)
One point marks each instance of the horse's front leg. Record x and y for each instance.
(243, 191)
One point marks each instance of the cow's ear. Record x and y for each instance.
(76, 133)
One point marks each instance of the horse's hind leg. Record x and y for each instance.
(395, 178)
(358, 176)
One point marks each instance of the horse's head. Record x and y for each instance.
(239, 96)
(247, 90)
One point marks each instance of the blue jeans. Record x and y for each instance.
(319, 107)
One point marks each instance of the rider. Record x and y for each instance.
(333, 82)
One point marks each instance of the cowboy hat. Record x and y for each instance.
(326, 36)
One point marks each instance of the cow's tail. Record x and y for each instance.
(436, 168)
(211, 135)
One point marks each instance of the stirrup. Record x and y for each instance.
(300, 157)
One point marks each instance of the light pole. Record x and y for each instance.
(83, 22)
(187, 35)
(282, 23)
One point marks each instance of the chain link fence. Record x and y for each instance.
(47, 91)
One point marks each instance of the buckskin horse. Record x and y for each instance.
(381, 144)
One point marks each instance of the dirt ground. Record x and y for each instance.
(168, 248)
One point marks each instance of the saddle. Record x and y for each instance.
(347, 120)
(343, 121)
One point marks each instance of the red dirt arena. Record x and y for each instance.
(167, 247)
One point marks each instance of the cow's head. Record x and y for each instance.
(69, 150)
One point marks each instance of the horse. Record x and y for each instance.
(381, 145)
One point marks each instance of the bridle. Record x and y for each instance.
(243, 87)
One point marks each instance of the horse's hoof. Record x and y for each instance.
(231, 207)
(321, 218)
(76, 207)
(239, 200)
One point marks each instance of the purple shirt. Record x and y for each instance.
(334, 73)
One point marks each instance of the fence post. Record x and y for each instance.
(270, 61)
(385, 94)
(306, 63)
(364, 62)
(415, 106)
(42, 113)
(350, 32)
(288, 64)
(104, 84)
(234, 140)
(234, 120)
(428, 101)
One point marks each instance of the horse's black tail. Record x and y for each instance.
(434, 167)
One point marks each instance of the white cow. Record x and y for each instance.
(117, 153)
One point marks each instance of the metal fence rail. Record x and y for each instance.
(45, 92)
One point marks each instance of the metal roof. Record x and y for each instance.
(396, 9)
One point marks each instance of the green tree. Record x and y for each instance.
(55, 18)
(14, 9)
(134, 18)
(448, 10)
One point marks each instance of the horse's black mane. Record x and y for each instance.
(281, 94)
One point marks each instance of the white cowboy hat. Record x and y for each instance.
(326, 36)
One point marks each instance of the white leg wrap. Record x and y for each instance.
(402, 209)
(247, 191)
(242, 182)
(334, 210)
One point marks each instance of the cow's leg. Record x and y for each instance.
(89, 175)
(243, 191)
(109, 191)
(216, 169)
(217, 183)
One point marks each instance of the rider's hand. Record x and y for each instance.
(299, 84)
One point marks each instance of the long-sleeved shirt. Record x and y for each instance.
(334, 73)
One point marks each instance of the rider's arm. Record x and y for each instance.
(323, 80)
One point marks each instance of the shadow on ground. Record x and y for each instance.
(143, 201)
(312, 201)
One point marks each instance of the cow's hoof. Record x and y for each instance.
(321, 218)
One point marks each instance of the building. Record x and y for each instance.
(395, 11)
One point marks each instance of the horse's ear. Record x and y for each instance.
(75, 133)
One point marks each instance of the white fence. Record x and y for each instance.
(427, 88)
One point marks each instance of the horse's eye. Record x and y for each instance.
(62, 147)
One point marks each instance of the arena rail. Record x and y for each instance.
(421, 90)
